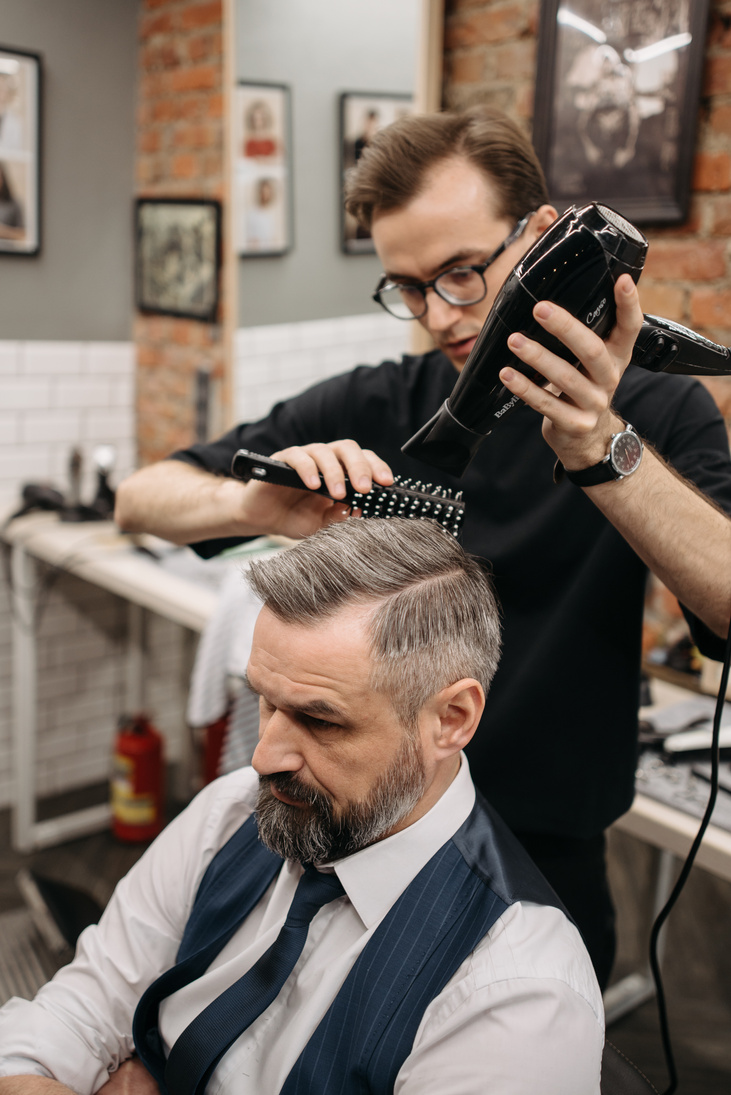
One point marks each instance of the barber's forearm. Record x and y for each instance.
(182, 504)
(681, 536)
(32, 1085)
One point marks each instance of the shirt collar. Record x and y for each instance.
(375, 877)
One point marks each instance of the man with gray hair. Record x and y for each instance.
(347, 914)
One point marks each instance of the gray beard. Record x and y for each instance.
(315, 834)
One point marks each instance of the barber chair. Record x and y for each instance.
(620, 1076)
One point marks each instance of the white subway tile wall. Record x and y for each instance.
(275, 362)
(56, 395)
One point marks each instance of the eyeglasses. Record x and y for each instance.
(462, 285)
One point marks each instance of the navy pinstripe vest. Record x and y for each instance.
(369, 1029)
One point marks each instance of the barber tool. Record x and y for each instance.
(574, 264)
(405, 498)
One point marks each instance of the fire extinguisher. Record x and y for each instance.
(137, 780)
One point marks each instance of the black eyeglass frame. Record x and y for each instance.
(478, 268)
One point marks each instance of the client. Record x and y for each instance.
(345, 915)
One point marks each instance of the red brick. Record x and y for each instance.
(680, 261)
(152, 25)
(202, 15)
(184, 166)
(195, 136)
(720, 119)
(480, 28)
(717, 75)
(711, 307)
(197, 78)
(515, 60)
(149, 140)
(214, 108)
(663, 300)
(466, 68)
(722, 217)
(712, 171)
(152, 85)
(720, 389)
(205, 46)
(160, 57)
(165, 110)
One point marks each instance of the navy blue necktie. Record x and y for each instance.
(204, 1041)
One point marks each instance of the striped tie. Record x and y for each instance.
(204, 1041)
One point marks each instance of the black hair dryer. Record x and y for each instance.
(574, 264)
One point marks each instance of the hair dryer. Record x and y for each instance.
(574, 264)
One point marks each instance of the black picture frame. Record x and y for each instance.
(178, 257)
(618, 85)
(358, 111)
(262, 165)
(21, 80)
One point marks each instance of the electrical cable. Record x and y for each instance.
(684, 873)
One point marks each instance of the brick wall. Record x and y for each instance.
(489, 56)
(179, 154)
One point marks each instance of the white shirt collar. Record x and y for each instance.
(376, 876)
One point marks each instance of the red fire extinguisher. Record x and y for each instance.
(137, 780)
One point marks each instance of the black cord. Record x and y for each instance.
(683, 876)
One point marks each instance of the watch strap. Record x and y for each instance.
(603, 472)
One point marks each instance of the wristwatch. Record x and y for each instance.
(624, 458)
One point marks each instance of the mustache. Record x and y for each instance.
(290, 784)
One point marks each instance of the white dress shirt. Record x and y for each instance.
(522, 1014)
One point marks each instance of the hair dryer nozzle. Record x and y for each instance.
(444, 442)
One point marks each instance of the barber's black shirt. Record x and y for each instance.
(556, 751)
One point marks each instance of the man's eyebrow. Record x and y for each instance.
(315, 708)
(320, 709)
(459, 258)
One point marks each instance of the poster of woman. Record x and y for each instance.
(20, 77)
(261, 169)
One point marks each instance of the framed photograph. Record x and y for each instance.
(20, 149)
(617, 90)
(262, 170)
(362, 114)
(178, 256)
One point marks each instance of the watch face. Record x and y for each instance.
(626, 452)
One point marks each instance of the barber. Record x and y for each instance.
(570, 559)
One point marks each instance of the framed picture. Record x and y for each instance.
(617, 91)
(178, 256)
(262, 170)
(20, 144)
(362, 114)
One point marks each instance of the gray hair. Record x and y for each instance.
(435, 619)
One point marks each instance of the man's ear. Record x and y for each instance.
(457, 709)
(542, 219)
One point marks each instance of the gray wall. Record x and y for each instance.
(80, 286)
(319, 48)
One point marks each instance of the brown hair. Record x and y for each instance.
(393, 169)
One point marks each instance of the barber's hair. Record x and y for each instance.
(395, 166)
(435, 617)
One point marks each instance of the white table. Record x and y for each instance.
(98, 553)
(672, 832)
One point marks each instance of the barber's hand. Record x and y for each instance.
(577, 403)
(131, 1078)
(296, 513)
